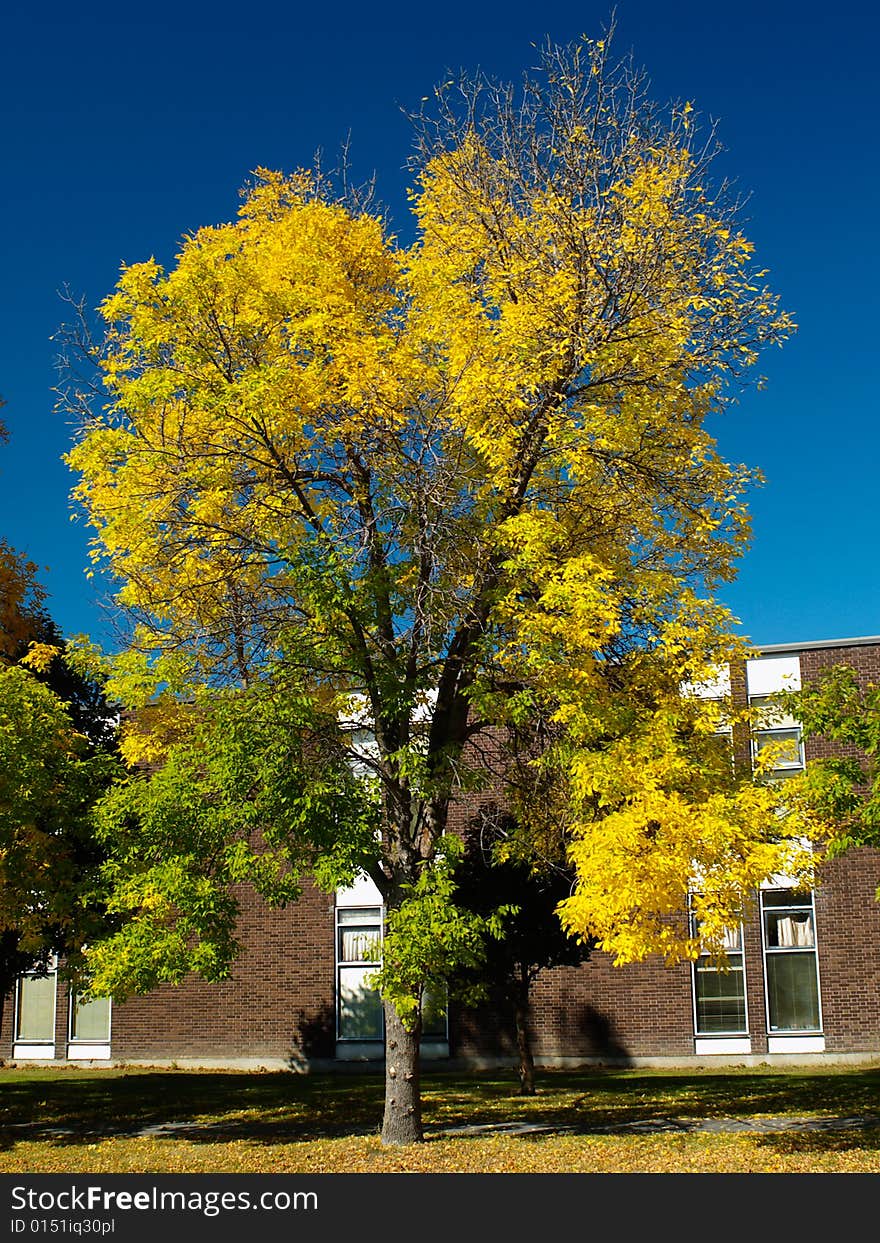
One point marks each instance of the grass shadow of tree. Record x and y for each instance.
(278, 1107)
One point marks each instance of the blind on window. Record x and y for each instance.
(36, 1007)
(91, 1020)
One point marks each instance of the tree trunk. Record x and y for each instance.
(10, 964)
(524, 1043)
(402, 1123)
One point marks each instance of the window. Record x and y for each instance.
(720, 993)
(787, 742)
(358, 955)
(790, 962)
(434, 1014)
(35, 1008)
(782, 733)
(90, 1020)
(359, 1013)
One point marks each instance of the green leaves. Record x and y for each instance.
(843, 787)
(49, 780)
(255, 788)
(429, 939)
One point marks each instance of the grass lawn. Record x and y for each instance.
(62, 1120)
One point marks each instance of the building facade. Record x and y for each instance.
(802, 982)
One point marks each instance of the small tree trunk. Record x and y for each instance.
(402, 1123)
(524, 1043)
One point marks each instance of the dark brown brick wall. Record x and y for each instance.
(646, 1010)
(848, 936)
(642, 1009)
(847, 911)
(278, 1001)
(866, 662)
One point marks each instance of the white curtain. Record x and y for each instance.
(359, 945)
(36, 1007)
(794, 930)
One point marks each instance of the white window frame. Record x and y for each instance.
(23, 1048)
(344, 962)
(364, 894)
(789, 1034)
(781, 766)
(79, 1049)
(725, 1035)
(777, 723)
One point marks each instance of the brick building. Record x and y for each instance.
(803, 981)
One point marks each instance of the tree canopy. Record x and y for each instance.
(49, 779)
(844, 787)
(21, 596)
(422, 491)
(56, 741)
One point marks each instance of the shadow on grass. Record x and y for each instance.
(821, 1143)
(72, 1107)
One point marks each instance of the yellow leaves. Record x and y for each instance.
(655, 828)
(559, 609)
(146, 738)
(318, 439)
(269, 339)
(291, 276)
(39, 656)
(638, 865)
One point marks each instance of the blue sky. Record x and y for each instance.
(123, 128)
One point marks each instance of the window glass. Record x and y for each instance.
(360, 1006)
(36, 1008)
(358, 915)
(434, 1013)
(787, 898)
(90, 1020)
(360, 934)
(359, 945)
(720, 999)
(789, 929)
(786, 744)
(790, 961)
(770, 713)
(792, 992)
(720, 993)
(359, 953)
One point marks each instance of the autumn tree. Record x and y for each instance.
(25, 624)
(56, 745)
(46, 654)
(21, 596)
(414, 492)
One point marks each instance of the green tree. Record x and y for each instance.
(56, 756)
(844, 788)
(50, 778)
(399, 496)
(46, 653)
